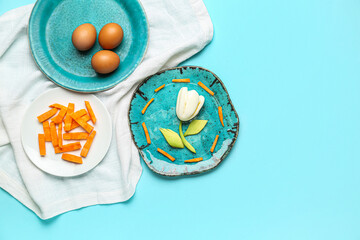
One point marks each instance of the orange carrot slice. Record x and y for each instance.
(87, 145)
(68, 147)
(60, 135)
(75, 124)
(221, 115)
(56, 105)
(166, 154)
(214, 143)
(159, 88)
(87, 127)
(75, 136)
(90, 111)
(41, 138)
(78, 114)
(184, 80)
(146, 133)
(206, 88)
(194, 160)
(45, 116)
(147, 105)
(58, 118)
(72, 158)
(68, 120)
(54, 136)
(47, 133)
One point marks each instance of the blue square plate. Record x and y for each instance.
(52, 23)
(161, 114)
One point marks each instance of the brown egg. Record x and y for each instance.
(110, 36)
(84, 37)
(105, 61)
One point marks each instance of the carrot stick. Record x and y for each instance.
(214, 143)
(147, 105)
(206, 88)
(159, 88)
(47, 133)
(41, 138)
(90, 111)
(68, 119)
(78, 114)
(185, 80)
(146, 133)
(68, 147)
(71, 158)
(194, 160)
(87, 145)
(221, 115)
(56, 105)
(166, 154)
(75, 136)
(75, 124)
(54, 137)
(87, 127)
(60, 135)
(45, 116)
(58, 118)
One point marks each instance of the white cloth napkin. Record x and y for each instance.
(178, 30)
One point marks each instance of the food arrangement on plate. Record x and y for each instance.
(190, 98)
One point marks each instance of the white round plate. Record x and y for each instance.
(52, 163)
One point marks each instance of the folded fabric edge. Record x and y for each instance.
(204, 19)
(18, 192)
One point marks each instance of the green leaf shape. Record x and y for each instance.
(186, 143)
(195, 127)
(172, 138)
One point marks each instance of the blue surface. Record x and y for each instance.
(50, 29)
(161, 113)
(292, 71)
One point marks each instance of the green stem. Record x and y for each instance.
(186, 143)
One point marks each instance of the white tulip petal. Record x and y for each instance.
(199, 106)
(192, 100)
(181, 101)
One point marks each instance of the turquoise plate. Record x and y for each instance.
(52, 23)
(161, 114)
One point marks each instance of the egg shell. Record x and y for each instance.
(105, 61)
(110, 36)
(84, 37)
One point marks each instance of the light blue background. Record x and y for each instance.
(292, 69)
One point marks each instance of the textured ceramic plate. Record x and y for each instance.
(161, 114)
(50, 29)
(52, 163)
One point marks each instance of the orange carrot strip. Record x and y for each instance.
(75, 136)
(68, 119)
(166, 154)
(72, 158)
(75, 124)
(147, 105)
(221, 115)
(41, 138)
(56, 105)
(54, 136)
(214, 143)
(185, 80)
(68, 147)
(159, 88)
(146, 133)
(87, 145)
(206, 88)
(78, 114)
(90, 111)
(47, 115)
(60, 135)
(58, 118)
(194, 160)
(47, 133)
(87, 127)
